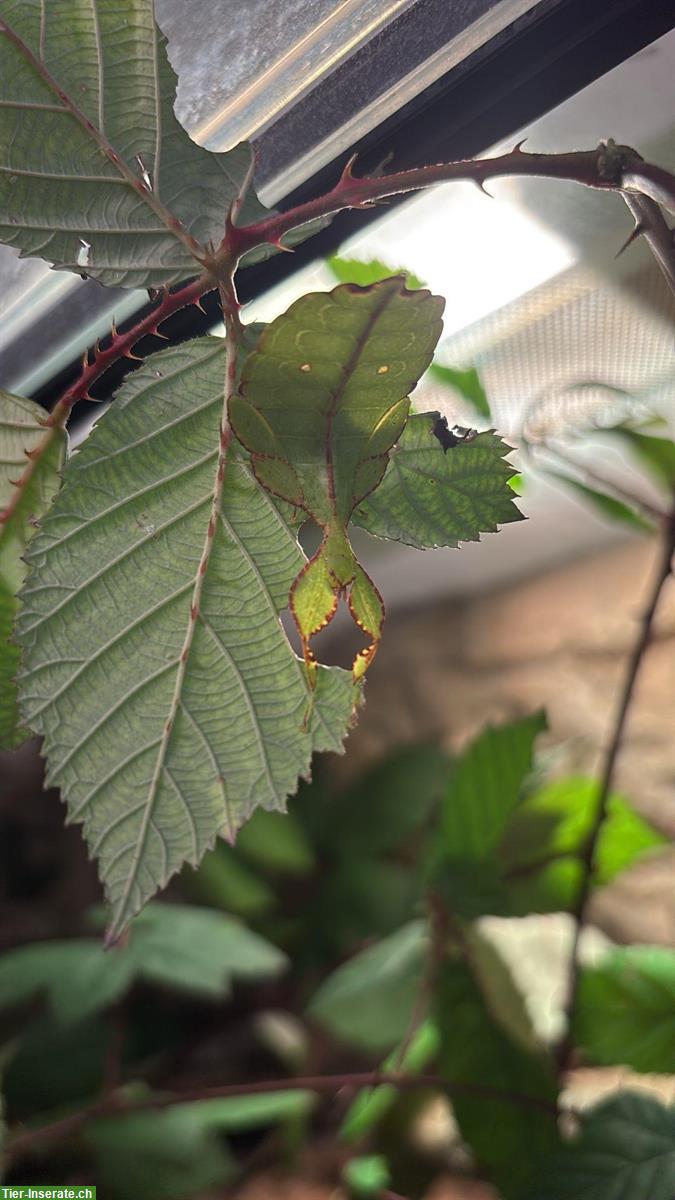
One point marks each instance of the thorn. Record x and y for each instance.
(347, 172)
(85, 360)
(198, 304)
(279, 245)
(113, 329)
(133, 357)
(164, 336)
(639, 229)
(97, 348)
(518, 148)
(153, 293)
(32, 453)
(480, 184)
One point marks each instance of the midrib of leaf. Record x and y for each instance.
(129, 176)
(197, 590)
(346, 375)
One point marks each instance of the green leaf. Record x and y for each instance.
(625, 1151)
(96, 174)
(192, 950)
(552, 887)
(657, 454)
(276, 842)
(168, 1155)
(467, 383)
(625, 1011)
(20, 431)
(606, 506)
(350, 270)
(485, 1039)
(486, 787)
(371, 1104)
(223, 882)
(107, 619)
(368, 1000)
(385, 805)
(367, 1175)
(322, 400)
(557, 819)
(432, 497)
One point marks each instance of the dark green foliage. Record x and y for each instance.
(624, 1151)
(626, 1010)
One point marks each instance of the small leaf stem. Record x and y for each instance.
(580, 910)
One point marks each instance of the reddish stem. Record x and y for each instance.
(120, 345)
(609, 167)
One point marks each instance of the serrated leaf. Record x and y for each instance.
(478, 1046)
(351, 270)
(625, 1151)
(20, 510)
(322, 400)
(368, 1000)
(625, 1010)
(192, 950)
(556, 820)
(467, 383)
(486, 787)
(607, 506)
(430, 497)
(164, 727)
(97, 175)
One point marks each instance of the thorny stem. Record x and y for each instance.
(22, 1143)
(580, 909)
(609, 168)
(120, 346)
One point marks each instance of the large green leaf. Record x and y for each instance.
(323, 398)
(158, 742)
(96, 174)
(189, 949)
(434, 497)
(625, 1011)
(486, 787)
(369, 999)
(625, 1151)
(20, 432)
(486, 1039)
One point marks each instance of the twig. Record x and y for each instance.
(120, 346)
(579, 911)
(609, 168)
(110, 1106)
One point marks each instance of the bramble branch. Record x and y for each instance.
(608, 168)
(111, 1106)
(579, 912)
